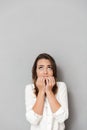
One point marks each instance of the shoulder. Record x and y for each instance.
(29, 93)
(61, 87)
(29, 88)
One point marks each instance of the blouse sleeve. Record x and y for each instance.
(31, 116)
(62, 113)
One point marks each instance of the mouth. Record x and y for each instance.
(45, 76)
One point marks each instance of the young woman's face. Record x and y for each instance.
(44, 68)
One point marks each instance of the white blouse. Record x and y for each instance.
(49, 120)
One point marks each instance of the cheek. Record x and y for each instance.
(51, 73)
(39, 73)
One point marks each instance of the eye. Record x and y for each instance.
(40, 67)
(50, 67)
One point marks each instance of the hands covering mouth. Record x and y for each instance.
(45, 83)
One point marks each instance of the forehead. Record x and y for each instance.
(43, 62)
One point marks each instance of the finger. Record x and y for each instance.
(53, 81)
(43, 81)
(48, 81)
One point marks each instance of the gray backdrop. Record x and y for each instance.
(28, 28)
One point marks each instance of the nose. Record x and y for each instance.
(45, 71)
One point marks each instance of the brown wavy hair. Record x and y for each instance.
(34, 74)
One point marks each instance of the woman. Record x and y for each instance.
(46, 99)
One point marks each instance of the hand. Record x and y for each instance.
(40, 83)
(50, 82)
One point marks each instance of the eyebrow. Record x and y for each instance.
(47, 65)
(40, 65)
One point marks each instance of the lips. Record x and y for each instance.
(45, 76)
